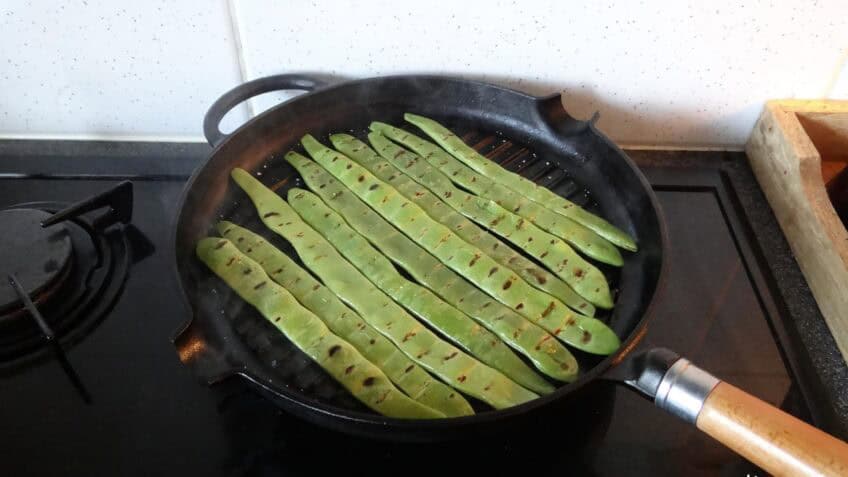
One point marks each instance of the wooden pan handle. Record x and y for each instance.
(768, 437)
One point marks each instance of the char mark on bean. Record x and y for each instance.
(383, 396)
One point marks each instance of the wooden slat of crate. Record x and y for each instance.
(786, 150)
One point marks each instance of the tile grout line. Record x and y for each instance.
(232, 10)
(102, 137)
(841, 67)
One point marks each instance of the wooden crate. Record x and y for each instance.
(799, 153)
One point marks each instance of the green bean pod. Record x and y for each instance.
(582, 276)
(584, 240)
(502, 284)
(336, 356)
(346, 323)
(427, 306)
(535, 275)
(542, 195)
(548, 355)
(444, 360)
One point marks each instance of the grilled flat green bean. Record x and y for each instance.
(429, 307)
(346, 323)
(581, 275)
(532, 273)
(547, 354)
(439, 357)
(583, 239)
(341, 360)
(542, 195)
(503, 284)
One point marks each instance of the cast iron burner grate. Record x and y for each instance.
(72, 267)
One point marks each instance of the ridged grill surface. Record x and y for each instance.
(293, 369)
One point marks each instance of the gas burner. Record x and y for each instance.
(69, 266)
(40, 257)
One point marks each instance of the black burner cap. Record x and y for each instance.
(36, 255)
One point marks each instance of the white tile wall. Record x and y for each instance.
(100, 68)
(661, 73)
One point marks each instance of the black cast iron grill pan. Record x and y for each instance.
(534, 136)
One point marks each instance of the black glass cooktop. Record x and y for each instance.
(149, 416)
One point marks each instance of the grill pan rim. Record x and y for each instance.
(300, 400)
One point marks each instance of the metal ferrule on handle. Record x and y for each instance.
(683, 390)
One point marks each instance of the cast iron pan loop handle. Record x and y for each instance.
(553, 113)
(199, 354)
(242, 92)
